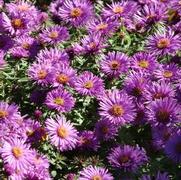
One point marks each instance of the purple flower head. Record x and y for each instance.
(89, 84)
(114, 64)
(162, 43)
(158, 176)
(54, 8)
(54, 35)
(144, 62)
(88, 140)
(62, 134)
(117, 107)
(128, 158)
(105, 130)
(76, 12)
(60, 99)
(173, 148)
(95, 173)
(163, 112)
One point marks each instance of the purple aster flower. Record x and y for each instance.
(159, 90)
(128, 158)
(19, 52)
(8, 111)
(17, 154)
(158, 176)
(76, 12)
(90, 44)
(53, 55)
(161, 134)
(162, 43)
(54, 35)
(89, 84)
(2, 61)
(163, 112)
(173, 148)
(62, 134)
(105, 130)
(95, 173)
(5, 43)
(65, 75)
(168, 73)
(42, 73)
(115, 63)
(117, 107)
(104, 27)
(87, 140)
(117, 10)
(60, 99)
(54, 8)
(144, 62)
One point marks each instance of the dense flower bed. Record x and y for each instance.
(90, 89)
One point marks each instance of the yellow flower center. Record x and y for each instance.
(137, 91)
(102, 26)
(158, 96)
(105, 130)
(62, 78)
(93, 45)
(3, 114)
(168, 74)
(17, 23)
(124, 159)
(26, 45)
(62, 132)
(42, 74)
(163, 116)
(76, 12)
(17, 152)
(59, 101)
(118, 9)
(163, 43)
(53, 35)
(114, 65)
(143, 64)
(96, 177)
(117, 110)
(29, 133)
(88, 85)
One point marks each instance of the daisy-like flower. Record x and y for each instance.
(89, 84)
(95, 173)
(173, 148)
(17, 154)
(144, 62)
(76, 12)
(162, 43)
(158, 176)
(54, 35)
(60, 99)
(105, 130)
(53, 55)
(117, 107)
(65, 75)
(168, 73)
(163, 112)
(62, 134)
(8, 112)
(41, 73)
(115, 63)
(159, 90)
(117, 10)
(127, 158)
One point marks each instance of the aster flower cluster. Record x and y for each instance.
(90, 89)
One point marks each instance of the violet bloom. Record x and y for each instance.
(162, 43)
(60, 99)
(54, 8)
(95, 173)
(158, 176)
(62, 134)
(76, 12)
(127, 158)
(115, 63)
(16, 153)
(87, 140)
(163, 112)
(144, 62)
(117, 107)
(173, 148)
(105, 130)
(89, 84)
(54, 35)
